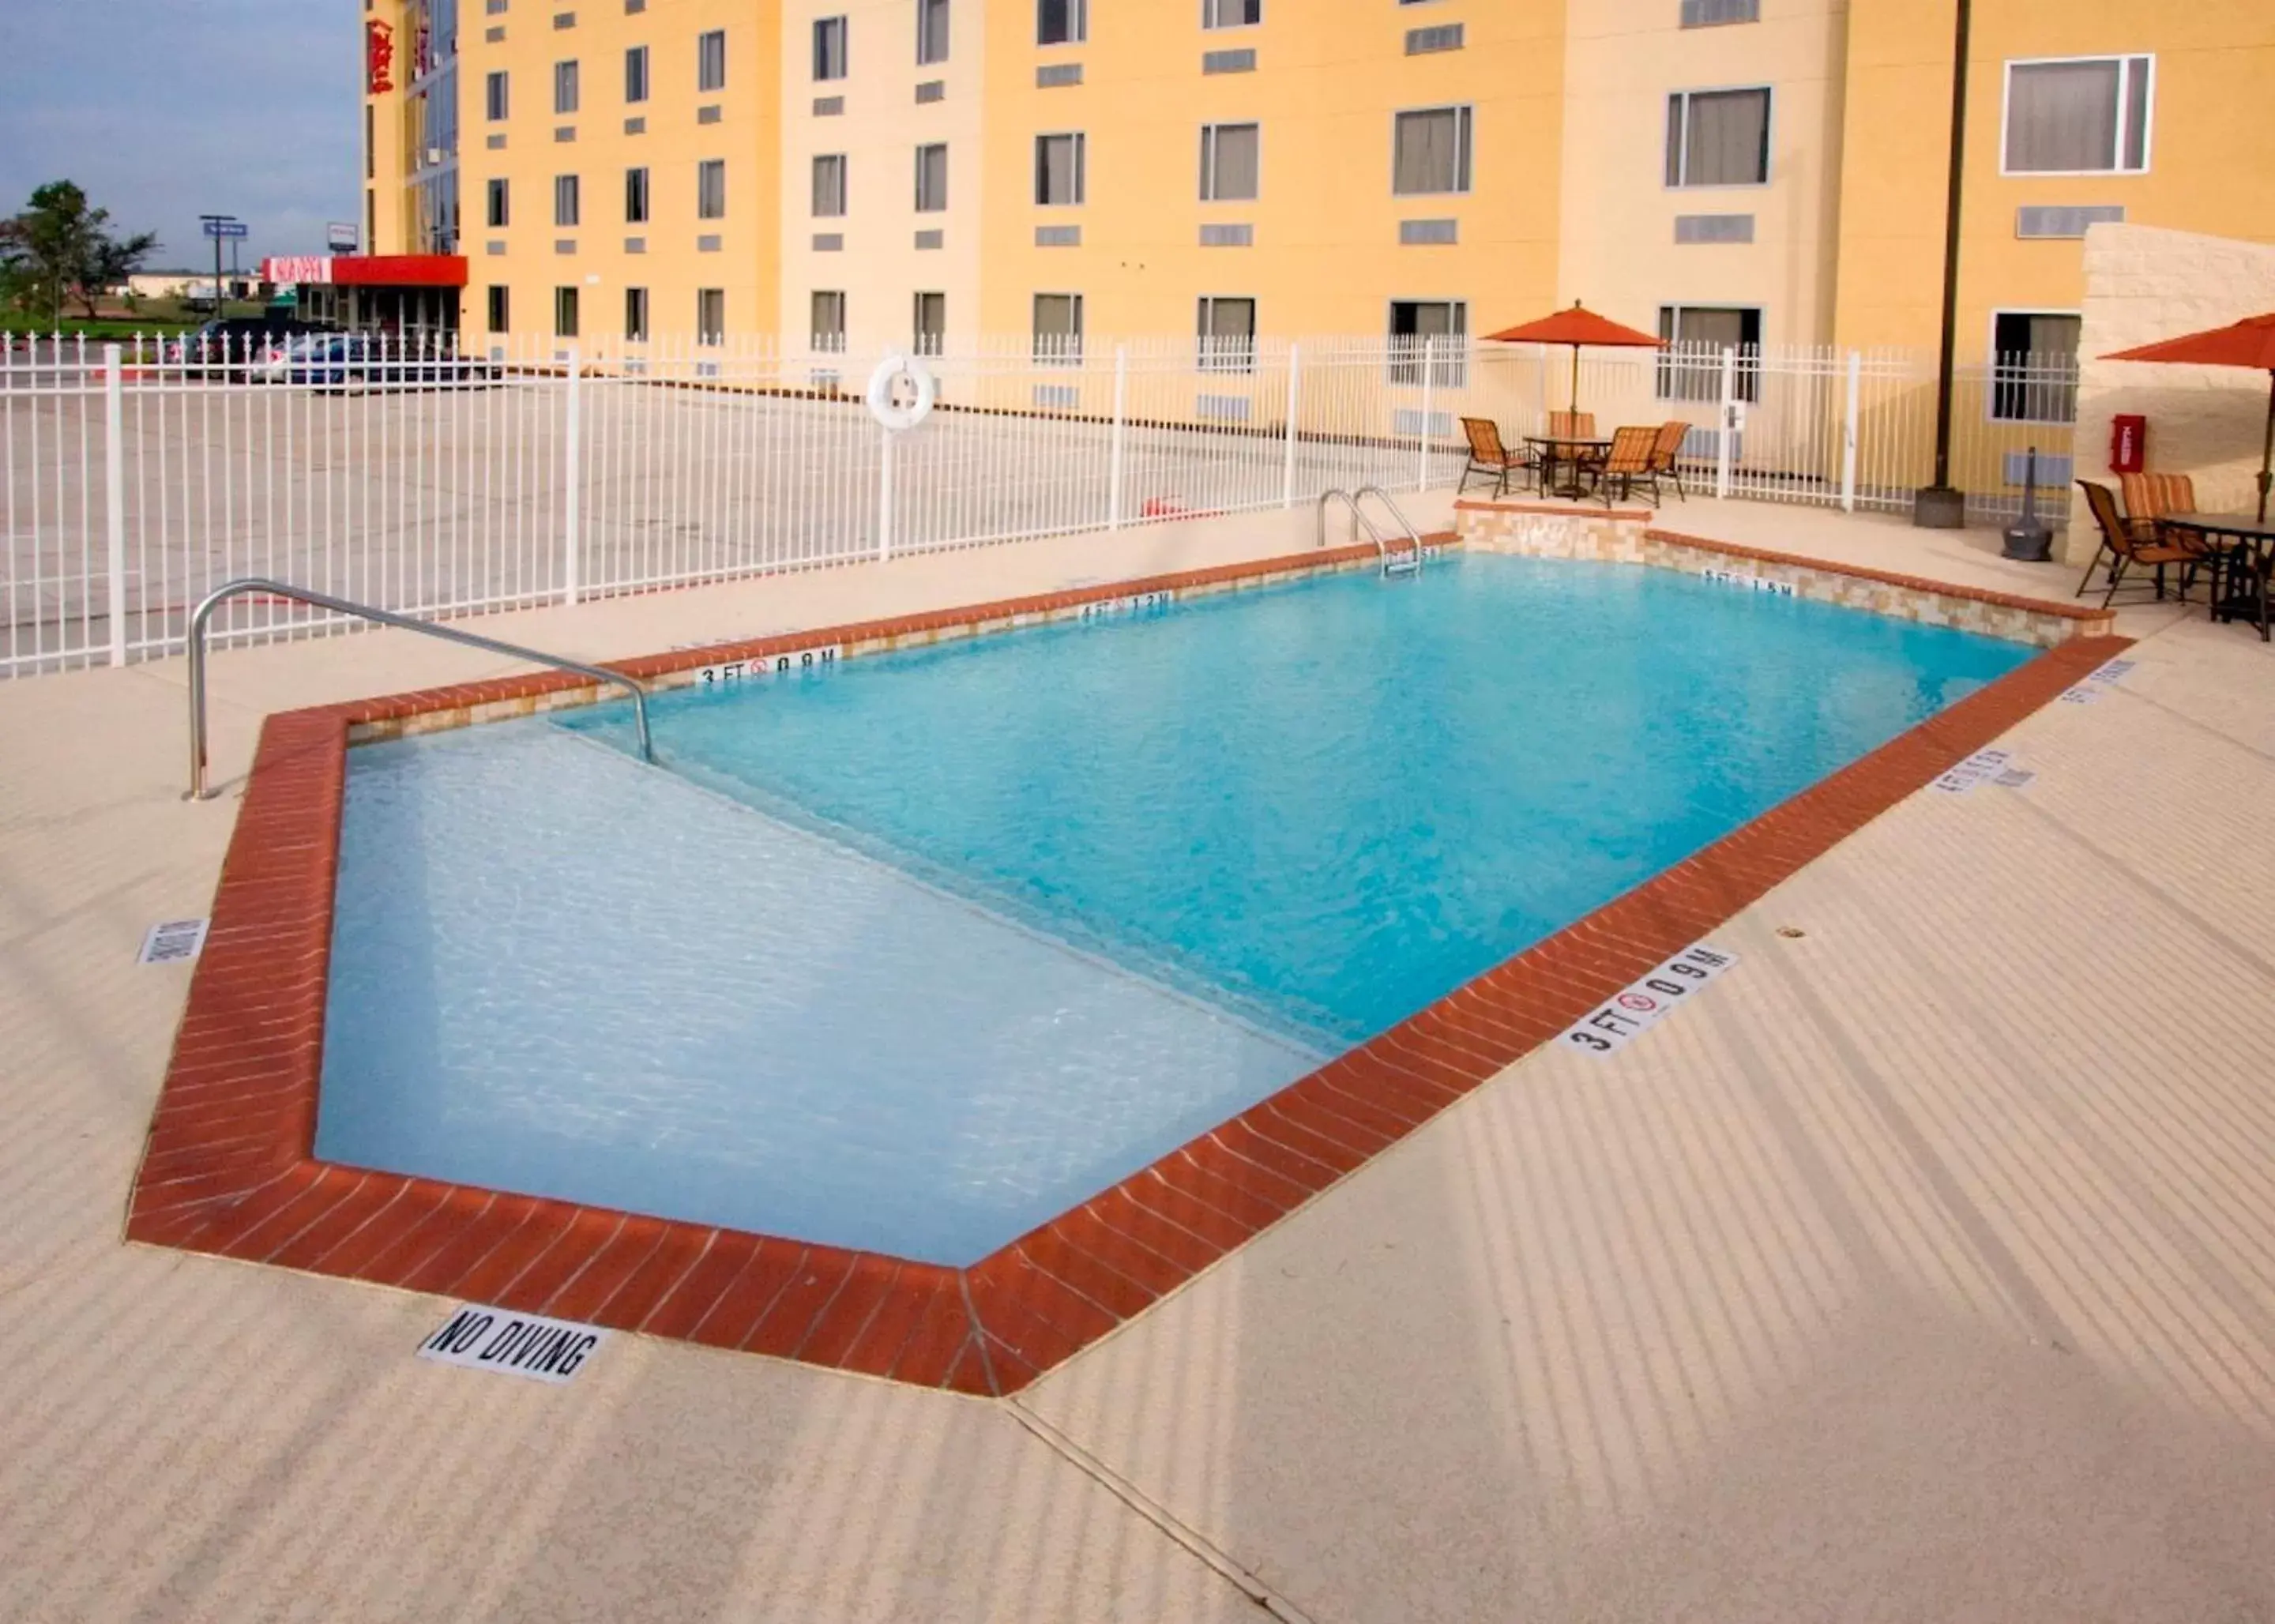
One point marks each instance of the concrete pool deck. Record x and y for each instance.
(1926, 1269)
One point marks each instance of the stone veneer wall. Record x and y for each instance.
(1628, 537)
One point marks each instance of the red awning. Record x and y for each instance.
(1578, 326)
(2249, 343)
(368, 271)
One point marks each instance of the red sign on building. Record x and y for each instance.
(378, 57)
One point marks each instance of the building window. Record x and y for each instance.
(711, 189)
(1061, 22)
(370, 220)
(932, 179)
(1058, 329)
(830, 185)
(1427, 330)
(1430, 152)
(710, 315)
(2085, 117)
(932, 35)
(494, 97)
(564, 86)
(494, 210)
(2034, 367)
(1058, 168)
(1231, 14)
(636, 75)
(829, 322)
(500, 305)
(564, 312)
(831, 48)
(711, 60)
(564, 199)
(636, 197)
(1690, 368)
(1714, 13)
(1717, 138)
(931, 323)
(1230, 154)
(1228, 334)
(635, 313)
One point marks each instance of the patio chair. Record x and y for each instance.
(1585, 462)
(2150, 497)
(1631, 462)
(1571, 426)
(1666, 453)
(1489, 458)
(2124, 551)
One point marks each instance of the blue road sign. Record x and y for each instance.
(227, 228)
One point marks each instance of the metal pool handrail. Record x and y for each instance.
(341, 606)
(1396, 512)
(1391, 564)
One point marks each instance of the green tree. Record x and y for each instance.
(60, 247)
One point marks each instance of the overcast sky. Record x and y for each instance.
(166, 110)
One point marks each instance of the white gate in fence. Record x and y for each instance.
(135, 477)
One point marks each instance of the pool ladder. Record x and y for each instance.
(1405, 561)
(198, 791)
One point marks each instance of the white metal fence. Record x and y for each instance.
(135, 477)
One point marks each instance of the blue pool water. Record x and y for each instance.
(915, 952)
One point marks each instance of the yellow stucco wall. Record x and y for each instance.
(2211, 165)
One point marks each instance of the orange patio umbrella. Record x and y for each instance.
(1581, 329)
(2249, 343)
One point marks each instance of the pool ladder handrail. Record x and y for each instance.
(1409, 562)
(198, 791)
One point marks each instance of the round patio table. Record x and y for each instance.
(1574, 451)
(2235, 539)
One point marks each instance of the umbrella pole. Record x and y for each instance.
(1575, 385)
(2267, 452)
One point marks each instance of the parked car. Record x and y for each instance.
(237, 348)
(359, 361)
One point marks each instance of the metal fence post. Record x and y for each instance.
(1121, 427)
(114, 498)
(572, 472)
(1295, 406)
(885, 497)
(1849, 432)
(1729, 421)
(1429, 406)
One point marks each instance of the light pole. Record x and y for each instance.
(217, 227)
(1939, 506)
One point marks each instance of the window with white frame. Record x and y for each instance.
(635, 196)
(565, 312)
(497, 211)
(2034, 366)
(1689, 367)
(1061, 22)
(829, 186)
(565, 200)
(931, 178)
(564, 86)
(711, 189)
(1717, 138)
(1231, 14)
(1059, 162)
(827, 325)
(636, 75)
(1230, 162)
(1058, 329)
(1429, 151)
(1227, 334)
(2082, 115)
(711, 60)
(831, 44)
(710, 315)
(932, 31)
(1424, 329)
(493, 96)
(930, 323)
(635, 314)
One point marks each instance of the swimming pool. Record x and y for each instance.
(912, 953)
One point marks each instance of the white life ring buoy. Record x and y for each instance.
(902, 392)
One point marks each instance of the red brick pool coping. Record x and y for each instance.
(229, 1168)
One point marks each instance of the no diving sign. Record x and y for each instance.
(1635, 1010)
(492, 1339)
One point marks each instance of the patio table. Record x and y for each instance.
(1573, 451)
(2234, 539)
